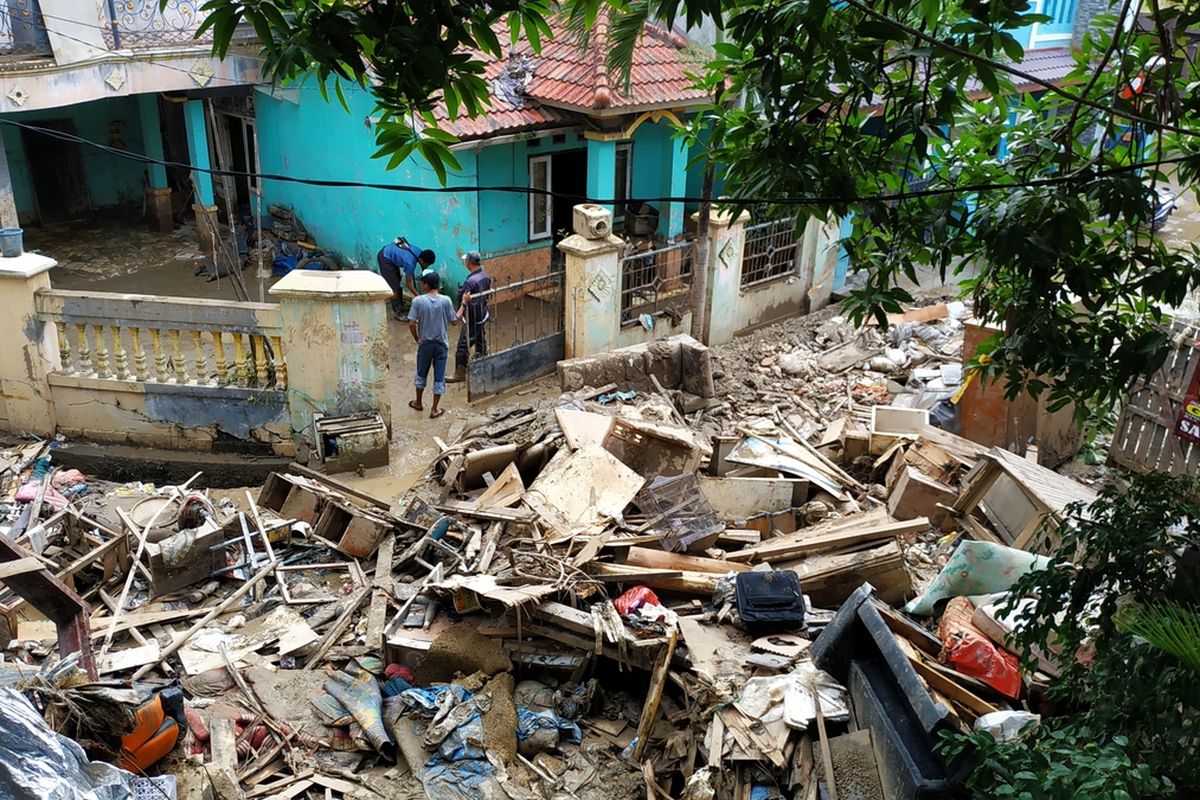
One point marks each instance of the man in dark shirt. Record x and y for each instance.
(399, 263)
(476, 287)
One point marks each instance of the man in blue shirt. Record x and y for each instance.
(474, 291)
(399, 263)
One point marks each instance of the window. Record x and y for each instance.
(623, 180)
(540, 205)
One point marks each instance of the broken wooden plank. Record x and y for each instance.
(848, 533)
(658, 559)
(19, 567)
(658, 679)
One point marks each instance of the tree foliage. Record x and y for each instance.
(1118, 562)
(912, 116)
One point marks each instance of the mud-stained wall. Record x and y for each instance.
(302, 134)
(170, 416)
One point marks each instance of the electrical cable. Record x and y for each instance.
(528, 190)
(940, 44)
(154, 62)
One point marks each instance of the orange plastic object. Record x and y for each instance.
(154, 748)
(148, 719)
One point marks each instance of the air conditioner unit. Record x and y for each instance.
(592, 221)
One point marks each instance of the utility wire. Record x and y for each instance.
(528, 190)
(152, 62)
(1016, 72)
(921, 35)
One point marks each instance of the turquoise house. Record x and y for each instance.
(556, 122)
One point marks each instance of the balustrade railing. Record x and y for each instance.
(137, 24)
(23, 32)
(182, 341)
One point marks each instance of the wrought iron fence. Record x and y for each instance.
(655, 281)
(771, 252)
(23, 31)
(145, 23)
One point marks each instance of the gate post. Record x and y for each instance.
(29, 349)
(726, 249)
(592, 293)
(335, 342)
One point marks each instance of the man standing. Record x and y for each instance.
(474, 291)
(399, 263)
(428, 319)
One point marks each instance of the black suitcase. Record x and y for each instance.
(770, 599)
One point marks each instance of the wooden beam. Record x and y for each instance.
(658, 679)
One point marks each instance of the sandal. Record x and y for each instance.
(436, 414)
(413, 405)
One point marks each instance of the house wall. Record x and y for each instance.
(111, 180)
(301, 134)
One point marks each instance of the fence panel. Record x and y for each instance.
(524, 334)
(772, 252)
(1145, 439)
(656, 281)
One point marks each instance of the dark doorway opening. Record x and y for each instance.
(56, 167)
(568, 177)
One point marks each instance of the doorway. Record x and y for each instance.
(56, 168)
(568, 181)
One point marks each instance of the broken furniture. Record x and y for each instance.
(352, 529)
(1016, 497)
(889, 699)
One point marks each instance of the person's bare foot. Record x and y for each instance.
(437, 412)
(415, 406)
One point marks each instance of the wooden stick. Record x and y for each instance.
(138, 557)
(658, 680)
(826, 755)
(339, 627)
(224, 606)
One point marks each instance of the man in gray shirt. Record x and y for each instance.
(429, 318)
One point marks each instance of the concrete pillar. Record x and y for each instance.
(593, 293)
(602, 170)
(205, 203)
(335, 344)
(726, 241)
(675, 158)
(30, 352)
(158, 193)
(8, 202)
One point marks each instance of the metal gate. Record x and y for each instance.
(524, 334)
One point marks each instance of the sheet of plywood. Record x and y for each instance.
(582, 427)
(37, 630)
(740, 498)
(507, 490)
(130, 658)
(582, 487)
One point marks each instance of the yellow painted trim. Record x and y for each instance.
(627, 133)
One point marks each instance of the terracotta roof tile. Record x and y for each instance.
(567, 80)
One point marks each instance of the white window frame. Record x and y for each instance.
(545, 201)
(619, 208)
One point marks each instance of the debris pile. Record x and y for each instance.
(633, 590)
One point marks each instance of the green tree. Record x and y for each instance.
(893, 112)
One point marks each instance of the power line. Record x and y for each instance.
(1014, 71)
(150, 61)
(529, 190)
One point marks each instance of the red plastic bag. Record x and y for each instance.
(976, 656)
(634, 599)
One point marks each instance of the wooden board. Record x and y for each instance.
(583, 427)
(657, 559)
(121, 660)
(739, 498)
(580, 488)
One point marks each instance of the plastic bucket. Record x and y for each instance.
(12, 242)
